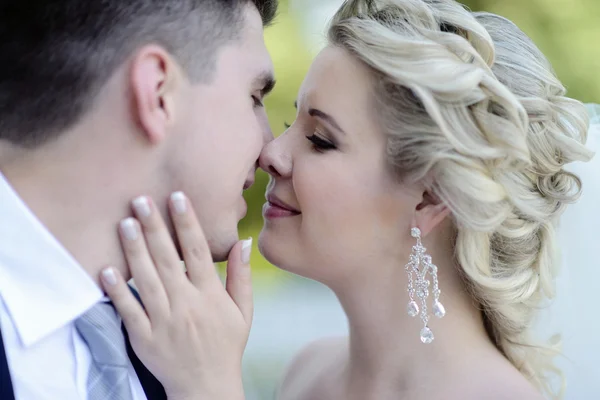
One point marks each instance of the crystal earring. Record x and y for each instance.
(420, 265)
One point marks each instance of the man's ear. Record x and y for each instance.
(429, 213)
(152, 77)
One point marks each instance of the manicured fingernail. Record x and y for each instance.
(142, 206)
(129, 229)
(109, 276)
(246, 250)
(179, 202)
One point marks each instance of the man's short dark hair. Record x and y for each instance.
(57, 54)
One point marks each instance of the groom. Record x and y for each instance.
(101, 102)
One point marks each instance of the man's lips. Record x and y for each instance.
(248, 184)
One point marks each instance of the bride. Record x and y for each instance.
(422, 181)
(415, 141)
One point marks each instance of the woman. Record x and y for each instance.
(422, 181)
(410, 128)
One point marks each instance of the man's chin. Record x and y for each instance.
(220, 257)
(220, 249)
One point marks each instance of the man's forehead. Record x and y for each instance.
(251, 29)
(252, 17)
(260, 64)
(253, 50)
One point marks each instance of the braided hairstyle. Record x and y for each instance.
(471, 107)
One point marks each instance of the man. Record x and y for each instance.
(100, 102)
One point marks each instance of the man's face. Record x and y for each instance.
(221, 130)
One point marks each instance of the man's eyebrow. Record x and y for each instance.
(266, 81)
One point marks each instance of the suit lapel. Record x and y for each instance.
(152, 387)
(6, 387)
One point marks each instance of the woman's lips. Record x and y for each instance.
(275, 208)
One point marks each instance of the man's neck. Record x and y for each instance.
(80, 206)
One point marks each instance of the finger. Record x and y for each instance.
(129, 308)
(194, 247)
(141, 266)
(239, 278)
(160, 246)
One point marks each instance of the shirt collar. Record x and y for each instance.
(43, 287)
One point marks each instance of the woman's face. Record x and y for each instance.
(334, 207)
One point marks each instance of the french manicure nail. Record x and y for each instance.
(109, 276)
(142, 206)
(129, 229)
(179, 202)
(246, 250)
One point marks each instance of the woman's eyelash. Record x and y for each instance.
(320, 143)
(296, 107)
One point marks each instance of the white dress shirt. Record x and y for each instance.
(43, 290)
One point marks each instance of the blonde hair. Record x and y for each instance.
(471, 107)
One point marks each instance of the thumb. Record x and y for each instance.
(239, 278)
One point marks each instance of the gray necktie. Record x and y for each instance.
(108, 377)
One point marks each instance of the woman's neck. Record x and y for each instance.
(386, 355)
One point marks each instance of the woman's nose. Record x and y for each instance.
(275, 157)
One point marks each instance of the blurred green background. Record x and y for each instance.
(291, 311)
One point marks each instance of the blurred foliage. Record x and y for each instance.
(291, 60)
(567, 31)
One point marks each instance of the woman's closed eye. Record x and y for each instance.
(320, 144)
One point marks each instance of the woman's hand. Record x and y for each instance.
(193, 331)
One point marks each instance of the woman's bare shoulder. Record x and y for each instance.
(301, 380)
(499, 384)
(507, 390)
